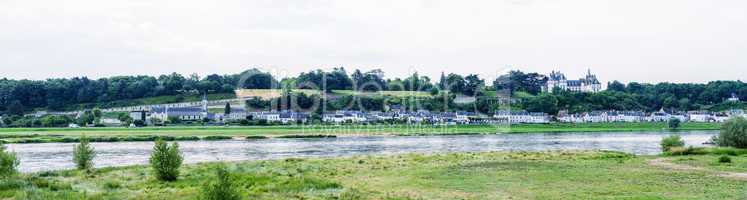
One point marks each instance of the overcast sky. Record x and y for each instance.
(630, 40)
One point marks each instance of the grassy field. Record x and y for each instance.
(12, 135)
(737, 164)
(496, 175)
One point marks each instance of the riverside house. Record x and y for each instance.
(521, 117)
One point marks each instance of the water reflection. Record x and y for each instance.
(52, 156)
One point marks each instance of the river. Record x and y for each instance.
(56, 156)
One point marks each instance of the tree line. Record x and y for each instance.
(20, 96)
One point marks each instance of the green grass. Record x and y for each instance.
(738, 163)
(499, 175)
(11, 134)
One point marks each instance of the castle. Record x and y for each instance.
(590, 83)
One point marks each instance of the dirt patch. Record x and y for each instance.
(666, 164)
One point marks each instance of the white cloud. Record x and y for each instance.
(650, 41)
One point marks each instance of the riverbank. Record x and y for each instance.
(41, 135)
(493, 175)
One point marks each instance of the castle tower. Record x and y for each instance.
(204, 102)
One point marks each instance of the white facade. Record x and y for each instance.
(521, 117)
(590, 83)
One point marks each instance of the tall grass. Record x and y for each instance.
(223, 187)
(8, 163)
(671, 141)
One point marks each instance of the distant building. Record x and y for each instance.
(701, 116)
(521, 117)
(139, 115)
(734, 98)
(590, 83)
(182, 113)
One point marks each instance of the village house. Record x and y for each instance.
(595, 117)
(344, 117)
(733, 98)
(700, 116)
(183, 114)
(659, 116)
(570, 118)
(521, 117)
(235, 115)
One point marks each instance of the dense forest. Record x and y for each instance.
(20, 96)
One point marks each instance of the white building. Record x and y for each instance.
(521, 117)
(344, 117)
(660, 116)
(701, 116)
(734, 98)
(571, 118)
(595, 117)
(590, 83)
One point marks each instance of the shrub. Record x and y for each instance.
(724, 159)
(733, 133)
(222, 187)
(682, 151)
(674, 123)
(83, 155)
(166, 160)
(8, 163)
(217, 137)
(671, 141)
(727, 151)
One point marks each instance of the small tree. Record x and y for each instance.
(8, 163)
(83, 155)
(674, 123)
(97, 115)
(434, 91)
(174, 120)
(166, 160)
(227, 110)
(733, 133)
(125, 118)
(222, 187)
(672, 141)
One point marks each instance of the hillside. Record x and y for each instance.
(274, 93)
(150, 101)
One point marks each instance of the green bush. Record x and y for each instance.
(674, 123)
(166, 160)
(682, 151)
(724, 159)
(217, 137)
(727, 151)
(8, 163)
(222, 187)
(83, 155)
(733, 133)
(671, 141)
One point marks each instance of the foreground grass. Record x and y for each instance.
(738, 163)
(498, 175)
(13, 135)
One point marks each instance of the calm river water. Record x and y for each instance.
(54, 156)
